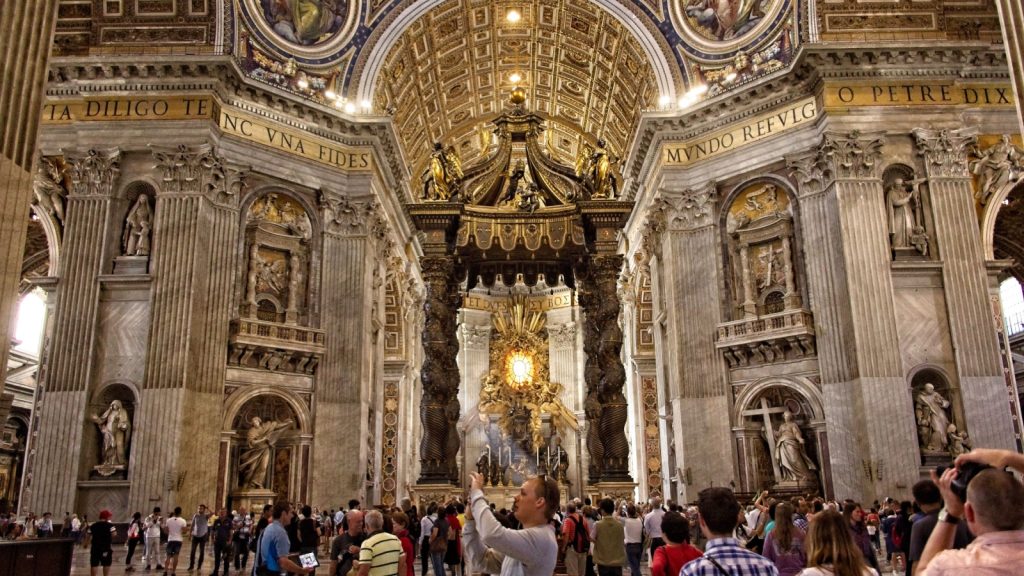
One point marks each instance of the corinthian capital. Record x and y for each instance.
(196, 169)
(945, 151)
(94, 173)
(348, 217)
(687, 209)
(854, 155)
(810, 170)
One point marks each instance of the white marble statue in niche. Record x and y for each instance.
(115, 429)
(137, 228)
(255, 459)
(931, 410)
(905, 215)
(791, 453)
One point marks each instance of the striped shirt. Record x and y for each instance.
(381, 551)
(735, 560)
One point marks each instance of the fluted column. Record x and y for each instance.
(866, 401)
(689, 251)
(193, 262)
(342, 387)
(27, 29)
(1011, 17)
(68, 375)
(975, 337)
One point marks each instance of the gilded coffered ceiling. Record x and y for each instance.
(453, 69)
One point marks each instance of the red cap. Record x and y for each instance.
(106, 515)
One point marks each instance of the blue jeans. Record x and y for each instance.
(437, 561)
(633, 553)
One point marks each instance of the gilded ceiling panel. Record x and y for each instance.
(856, 20)
(453, 70)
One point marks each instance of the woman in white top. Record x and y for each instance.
(634, 529)
(831, 550)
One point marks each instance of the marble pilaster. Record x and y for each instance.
(689, 258)
(866, 400)
(1011, 18)
(28, 28)
(68, 376)
(979, 370)
(193, 263)
(343, 376)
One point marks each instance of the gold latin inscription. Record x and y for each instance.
(842, 96)
(761, 127)
(493, 305)
(128, 108)
(314, 148)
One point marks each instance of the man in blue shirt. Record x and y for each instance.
(719, 513)
(274, 543)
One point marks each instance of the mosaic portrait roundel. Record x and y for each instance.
(725, 25)
(305, 29)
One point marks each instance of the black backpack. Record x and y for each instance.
(581, 538)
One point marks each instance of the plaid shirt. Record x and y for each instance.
(737, 561)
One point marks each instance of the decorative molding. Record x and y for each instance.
(853, 155)
(945, 151)
(686, 210)
(93, 173)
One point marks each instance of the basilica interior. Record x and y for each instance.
(333, 249)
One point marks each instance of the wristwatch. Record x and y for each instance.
(945, 516)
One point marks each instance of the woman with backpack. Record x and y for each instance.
(135, 533)
(437, 544)
(426, 526)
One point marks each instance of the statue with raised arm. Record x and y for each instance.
(791, 452)
(902, 202)
(443, 180)
(115, 428)
(932, 419)
(594, 170)
(255, 459)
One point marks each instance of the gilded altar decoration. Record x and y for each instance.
(517, 387)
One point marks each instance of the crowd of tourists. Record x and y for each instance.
(968, 519)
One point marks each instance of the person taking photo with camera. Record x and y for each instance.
(978, 490)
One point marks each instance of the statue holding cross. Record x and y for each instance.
(786, 445)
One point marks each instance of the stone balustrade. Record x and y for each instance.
(785, 335)
(276, 347)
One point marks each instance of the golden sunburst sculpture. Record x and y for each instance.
(518, 378)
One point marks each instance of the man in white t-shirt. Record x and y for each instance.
(152, 526)
(175, 526)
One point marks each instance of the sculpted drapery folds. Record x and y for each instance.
(439, 410)
(604, 374)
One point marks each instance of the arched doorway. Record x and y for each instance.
(780, 437)
(265, 449)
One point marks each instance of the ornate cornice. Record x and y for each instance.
(945, 151)
(221, 76)
(686, 210)
(853, 155)
(812, 64)
(94, 172)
